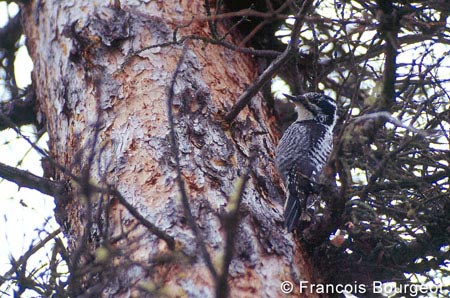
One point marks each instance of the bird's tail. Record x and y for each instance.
(292, 212)
(295, 207)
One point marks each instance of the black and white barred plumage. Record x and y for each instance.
(302, 152)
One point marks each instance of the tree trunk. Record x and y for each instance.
(104, 102)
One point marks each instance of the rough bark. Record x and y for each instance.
(106, 115)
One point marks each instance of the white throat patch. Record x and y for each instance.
(303, 113)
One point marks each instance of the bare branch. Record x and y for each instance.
(211, 23)
(389, 118)
(219, 42)
(231, 223)
(389, 26)
(26, 179)
(267, 75)
(24, 258)
(18, 111)
(266, 20)
(142, 220)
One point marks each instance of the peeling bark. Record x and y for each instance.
(105, 109)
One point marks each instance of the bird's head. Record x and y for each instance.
(314, 106)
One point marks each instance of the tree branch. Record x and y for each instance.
(18, 111)
(26, 179)
(142, 220)
(231, 224)
(267, 75)
(10, 33)
(24, 258)
(389, 118)
(389, 25)
(219, 42)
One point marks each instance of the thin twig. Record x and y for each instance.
(248, 12)
(24, 258)
(211, 23)
(267, 75)
(389, 118)
(381, 167)
(254, 31)
(19, 110)
(142, 220)
(231, 224)
(41, 151)
(266, 20)
(218, 42)
(175, 153)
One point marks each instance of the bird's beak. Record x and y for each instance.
(295, 99)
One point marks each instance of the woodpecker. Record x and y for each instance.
(303, 151)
